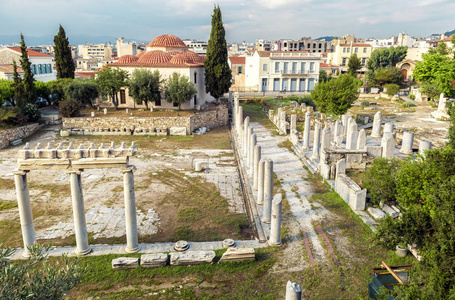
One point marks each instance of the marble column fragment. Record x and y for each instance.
(306, 132)
(345, 123)
(248, 143)
(246, 125)
(256, 159)
(251, 145)
(80, 225)
(362, 140)
(132, 244)
(406, 144)
(260, 199)
(325, 139)
(293, 122)
(351, 136)
(275, 224)
(388, 145)
(377, 123)
(239, 121)
(424, 145)
(293, 291)
(388, 127)
(268, 190)
(25, 211)
(317, 139)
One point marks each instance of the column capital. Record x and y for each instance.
(20, 172)
(128, 169)
(78, 172)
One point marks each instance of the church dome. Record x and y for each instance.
(167, 40)
(193, 57)
(155, 58)
(127, 59)
(180, 59)
(140, 54)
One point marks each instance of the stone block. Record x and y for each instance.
(125, 263)
(325, 171)
(177, 131)
(190, 258)
(238, 254)
(154, 260)
(377, 213)
(374, 151)
(392, 213)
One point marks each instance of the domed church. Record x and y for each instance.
(168, 54)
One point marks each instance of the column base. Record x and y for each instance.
(265, 220)
(405, 152)
(26, 254)
(376, 135)
(84, 252)
(274, 244)
(132, 250)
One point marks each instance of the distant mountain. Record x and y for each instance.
(449, 33)
(49, 39)
(326, 38)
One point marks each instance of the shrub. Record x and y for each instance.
(407, 104)
(392, 88)
(69, 108)
(17, 119)
(365, 103)
(31, 112)
(412, 96)
(380, 179)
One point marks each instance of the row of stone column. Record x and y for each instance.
(80, 225)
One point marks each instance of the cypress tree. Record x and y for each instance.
(63, 60)
(217, 72)
(17, 84)
(28, 80)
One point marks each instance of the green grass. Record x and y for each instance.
(4, 205)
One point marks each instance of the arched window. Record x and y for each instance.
(195, 77)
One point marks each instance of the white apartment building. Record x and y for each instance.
(98, 51)
(268, 71)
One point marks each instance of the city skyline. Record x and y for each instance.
(244, 21)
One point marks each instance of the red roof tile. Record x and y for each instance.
(237, 60)
(9, 69)
(167, 40)
(324, 65)
(31, 53)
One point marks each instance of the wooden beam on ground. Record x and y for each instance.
(392, 272)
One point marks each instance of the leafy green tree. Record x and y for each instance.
(354, 65)
(392, 89)
(218, 75)
(63, 60)
(386, 57)
(337, 95)
(18, 86)
(380, 179)
(387, 75)
(439, 69)
(31, 112)
(441, 49)
(179, 89)
(28, 85)
(144, 86)
(6, 91)
(37, 277)
(432, 90)
(110, 81)
(83, 90)
(57, 89)
(322, 76)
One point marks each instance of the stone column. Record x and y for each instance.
(25, 210)
(246, 125)
(293, 122)
(317, 138)
(256, 159)
(424, 145)
(293, 291)
(377, 123)
(278, 123)
(362, 140)
(132, 244)
(260, 199)
(325, 139)
(80, 225)
(275, 224)
(306, 132)
(388, 145)
(345, 123)
(388, 127)
(351, 136)
(406, 144)
(248, 143)
(268, 190)
(251, 145)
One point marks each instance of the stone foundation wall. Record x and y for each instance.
(147, 125)
(8, 135)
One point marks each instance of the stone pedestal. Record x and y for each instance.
(80, 225)
(105, 111)
(406, 144)
(424, 145)
(388, 127)
(260, 198)
(132, 244)
(275, 226)
(351, 136)
(293, 291)
(293, 122)
(256, 159)
(362, 140)
(377, 122)
(306, 132)
(316, 141)
(268, 190)
(25, 211)
(388, 145)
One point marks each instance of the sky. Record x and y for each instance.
(244, 20)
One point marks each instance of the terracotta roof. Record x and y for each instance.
(447, 38)
(84, 74)
(194, 57)
(127, 59)
(159, 58)
(323, 65)
(31, 53)
(9, 69)
(237, 60)
(167, 40)
(140, 54)
(356, 45)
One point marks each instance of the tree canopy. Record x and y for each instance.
(218, 75)
(337, 95)
(6, 91)
(18, 85)
(111, 80)
(144, 86)
(354, 65)
(63, 59)
(28, 85)
(83, 90)
(386, 57)
(387, 75)
(179, 89)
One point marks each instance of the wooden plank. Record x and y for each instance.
(392, 272)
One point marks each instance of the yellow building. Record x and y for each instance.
(342, 53)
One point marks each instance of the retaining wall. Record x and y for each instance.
(8, 135)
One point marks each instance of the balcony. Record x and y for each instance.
(297, 73)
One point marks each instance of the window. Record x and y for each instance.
(40, 69)
(348, 50)
(314, 45)
(364, 50)
(50, 68)
(285, 44)
(364, 60)
(122, 97)
(158, 102)
(277, 67)
(34, 69)
(240, 70)
(312, 67)
(195, 100)
(195, 77)
(344, 62)
(294, 67)
(302, 67)
(285, 68)
(356, 50)
(344, 50)
(309, 46)
(264, 67)
(320, 46)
